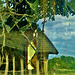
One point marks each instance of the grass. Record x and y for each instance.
(52, 74)
(66, 74)
(59, 72)
(63, 72)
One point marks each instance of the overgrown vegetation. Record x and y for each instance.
(62, 62)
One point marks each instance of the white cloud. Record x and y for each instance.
(63, 29)
(72, 33)
(59, 55)
(66, 55)
(64, 24)
(55, 35)
(55, 42)
(66, 49)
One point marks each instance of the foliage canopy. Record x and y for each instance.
(61, 63)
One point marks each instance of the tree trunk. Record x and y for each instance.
(22, 67)
(13, 65)
(7, 65)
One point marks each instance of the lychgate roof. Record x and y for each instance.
(16, 40)
(45, 45)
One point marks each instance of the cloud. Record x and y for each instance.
(56, 35)
(67, 55)
(66, 49)
(63, 24)
(59, 55)
(61, 28)
(72, 33)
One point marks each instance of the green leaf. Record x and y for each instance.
(71, 4)
(31, 19)
(0, 24)
(34, 5)
(7, 28)
(1, 2)
(24, 28)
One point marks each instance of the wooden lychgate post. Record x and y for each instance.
(22, 66)
(13, 65)
(7, 65)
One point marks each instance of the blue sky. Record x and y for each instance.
(61, 32)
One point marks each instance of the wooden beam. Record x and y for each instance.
(26, 57)
(37, 67)
(0, 61)
(13, 65)
(30, 72)
(46, 66)
(7, 65)
(42, 63)
(22, 67)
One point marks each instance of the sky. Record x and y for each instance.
(69, 0)
(61, 32)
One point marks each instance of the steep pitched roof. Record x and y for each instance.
(16, 40)
(45, 45)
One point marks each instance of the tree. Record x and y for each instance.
(40, 8)
(64, 62)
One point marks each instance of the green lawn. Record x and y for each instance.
(63, 72)
(66, 74)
